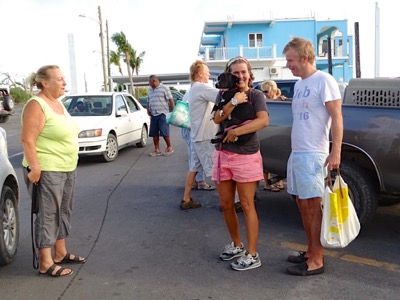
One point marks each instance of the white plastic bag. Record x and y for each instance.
(340, 224)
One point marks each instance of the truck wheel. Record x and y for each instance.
(8, 103)
(9, 226)
(361, 191)
(4, 119)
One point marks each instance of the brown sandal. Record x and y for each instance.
(280, 186)
(189, 204)
(275, 188)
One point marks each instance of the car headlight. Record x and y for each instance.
(90, 133)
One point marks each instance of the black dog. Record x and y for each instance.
(227, 83)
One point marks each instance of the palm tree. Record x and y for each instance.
(115, 60)
(137, 61)
(126, 50)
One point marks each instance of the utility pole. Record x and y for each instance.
(102, 51)
(108, 60)
(377, 41)
(357, 45)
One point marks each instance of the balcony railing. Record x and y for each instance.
(223, 54)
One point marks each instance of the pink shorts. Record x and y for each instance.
(238, 167)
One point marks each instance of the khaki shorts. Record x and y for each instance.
(55, 194)
(202, 157)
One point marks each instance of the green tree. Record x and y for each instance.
(20, 90)
(19, 95)
(126, 50)
(136, 61)
(115, 59)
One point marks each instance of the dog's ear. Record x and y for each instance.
(221, 81)
(235, 79)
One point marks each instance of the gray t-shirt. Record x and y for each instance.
(158, 99)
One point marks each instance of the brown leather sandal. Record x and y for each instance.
(189, 204)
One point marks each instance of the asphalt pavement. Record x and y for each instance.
(140, 245)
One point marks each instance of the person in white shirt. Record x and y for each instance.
(201, 99)
(317, 111)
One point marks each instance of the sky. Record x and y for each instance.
(35, 32)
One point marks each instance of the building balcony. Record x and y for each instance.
(212, 54)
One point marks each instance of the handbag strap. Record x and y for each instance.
(35, 251)
(330, 180)
(340, 182)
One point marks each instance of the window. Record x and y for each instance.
(255, 40)
(131, 103)
(120, 103)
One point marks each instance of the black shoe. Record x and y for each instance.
(298, 259)
(301, 270)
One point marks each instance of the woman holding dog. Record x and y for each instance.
(238, 162)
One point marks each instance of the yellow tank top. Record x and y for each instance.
(57, 144)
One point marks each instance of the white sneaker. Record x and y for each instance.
(231, 251)
(246, 262)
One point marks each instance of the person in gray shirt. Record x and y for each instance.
(159, 99)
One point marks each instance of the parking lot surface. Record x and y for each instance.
(140, 245)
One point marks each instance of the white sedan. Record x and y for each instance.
(9, 199)
(108, 122)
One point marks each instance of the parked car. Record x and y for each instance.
(6, 104)
(108, 122)
(9, 200)
(176, 95)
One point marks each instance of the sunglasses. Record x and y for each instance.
(235, 60)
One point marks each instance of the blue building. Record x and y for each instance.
(262, 43)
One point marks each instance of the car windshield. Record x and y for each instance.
(88, 105)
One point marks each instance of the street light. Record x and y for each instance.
(100, 22)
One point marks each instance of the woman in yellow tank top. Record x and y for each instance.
(50, 141)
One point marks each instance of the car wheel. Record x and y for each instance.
(143, 138)
(4, 119)
(361, 191)
(9, 226)
(111, 152)
(8, 103)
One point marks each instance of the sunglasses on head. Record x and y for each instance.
(235, 60)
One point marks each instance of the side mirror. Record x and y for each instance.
(122, 113)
